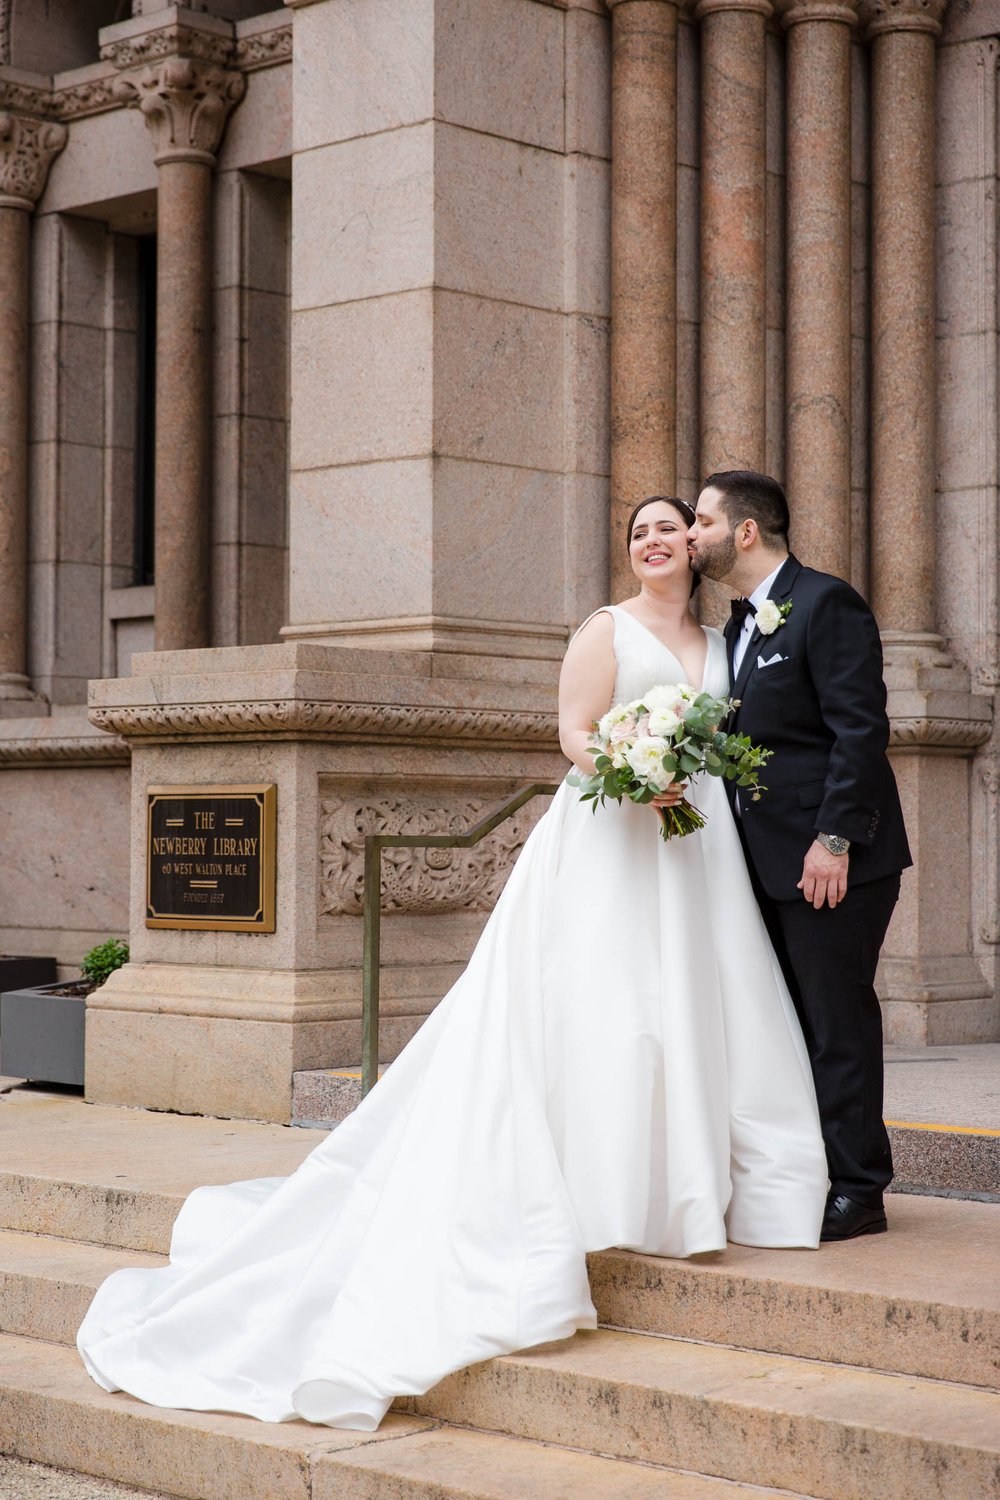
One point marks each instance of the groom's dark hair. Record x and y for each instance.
(749, 496)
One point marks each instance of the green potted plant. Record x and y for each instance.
(42, 1026)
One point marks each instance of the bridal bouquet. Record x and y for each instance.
(668, 735)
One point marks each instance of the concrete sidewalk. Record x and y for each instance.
(954, 1086)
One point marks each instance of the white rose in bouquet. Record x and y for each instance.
(646, 759)
(663, 722)
(669, 696)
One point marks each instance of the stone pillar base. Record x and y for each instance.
(216, 1022)
(932, 989)
(225, 1041)
(17, 700)
(936, 1001)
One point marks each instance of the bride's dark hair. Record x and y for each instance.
(682, 507)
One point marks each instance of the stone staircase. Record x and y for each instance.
(866, 1371)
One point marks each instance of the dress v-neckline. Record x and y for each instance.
(664, 647)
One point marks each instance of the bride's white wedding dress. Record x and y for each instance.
(620, 1064)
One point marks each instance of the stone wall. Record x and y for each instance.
(449, 284)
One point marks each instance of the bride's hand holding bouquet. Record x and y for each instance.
(662, 739)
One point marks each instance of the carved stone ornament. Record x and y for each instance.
(5, 9)
(27, 149)
(91, 98)
(61, 750)
(989, 775)
(416, 880)
(169, 41)
(264, 49)
(961, 735)
(902, 15)
(356, 722)
(186, 105)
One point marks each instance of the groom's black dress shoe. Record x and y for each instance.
(844, 1219)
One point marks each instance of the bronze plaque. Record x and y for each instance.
(210, 857)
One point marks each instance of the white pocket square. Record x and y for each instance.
(771, 660)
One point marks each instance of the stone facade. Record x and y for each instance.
(437, 289)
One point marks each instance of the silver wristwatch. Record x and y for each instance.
(833, 844)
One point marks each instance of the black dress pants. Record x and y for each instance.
(828, 959)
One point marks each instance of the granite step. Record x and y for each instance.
(923, 1299)
(119, 1176)
(953, 1161)
(813, 1428)
(458, 1464)
(52, 1413)
(46, 1284)
(903, 1302)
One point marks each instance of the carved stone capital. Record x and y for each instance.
(28, 147)
(878, 16)
(794, 12)
(186, 104)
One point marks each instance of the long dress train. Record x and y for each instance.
(619, 1064)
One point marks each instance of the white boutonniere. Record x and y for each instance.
(771, 615)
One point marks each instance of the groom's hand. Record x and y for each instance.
(824, 876)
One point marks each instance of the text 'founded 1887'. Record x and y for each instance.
(210, 857)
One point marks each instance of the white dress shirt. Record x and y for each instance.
(757, 598)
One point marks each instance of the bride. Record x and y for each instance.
(620, 1064)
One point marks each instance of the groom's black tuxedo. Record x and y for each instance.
(821, 708)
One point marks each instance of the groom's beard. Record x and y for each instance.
(717, 560)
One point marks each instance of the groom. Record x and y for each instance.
(825, 843)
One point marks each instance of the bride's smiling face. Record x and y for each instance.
(658, 548)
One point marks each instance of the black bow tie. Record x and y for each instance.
(740, 609)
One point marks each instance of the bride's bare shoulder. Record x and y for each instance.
(597, 627)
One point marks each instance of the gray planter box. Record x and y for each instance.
(17, 973)
(41, 1034)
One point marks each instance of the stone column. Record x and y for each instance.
(643, 261)
(186, 104)
(818, 312)
(903, 37)
(27, 147)
(932, 988)
(732, 232)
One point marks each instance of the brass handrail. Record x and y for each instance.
(374, 844)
